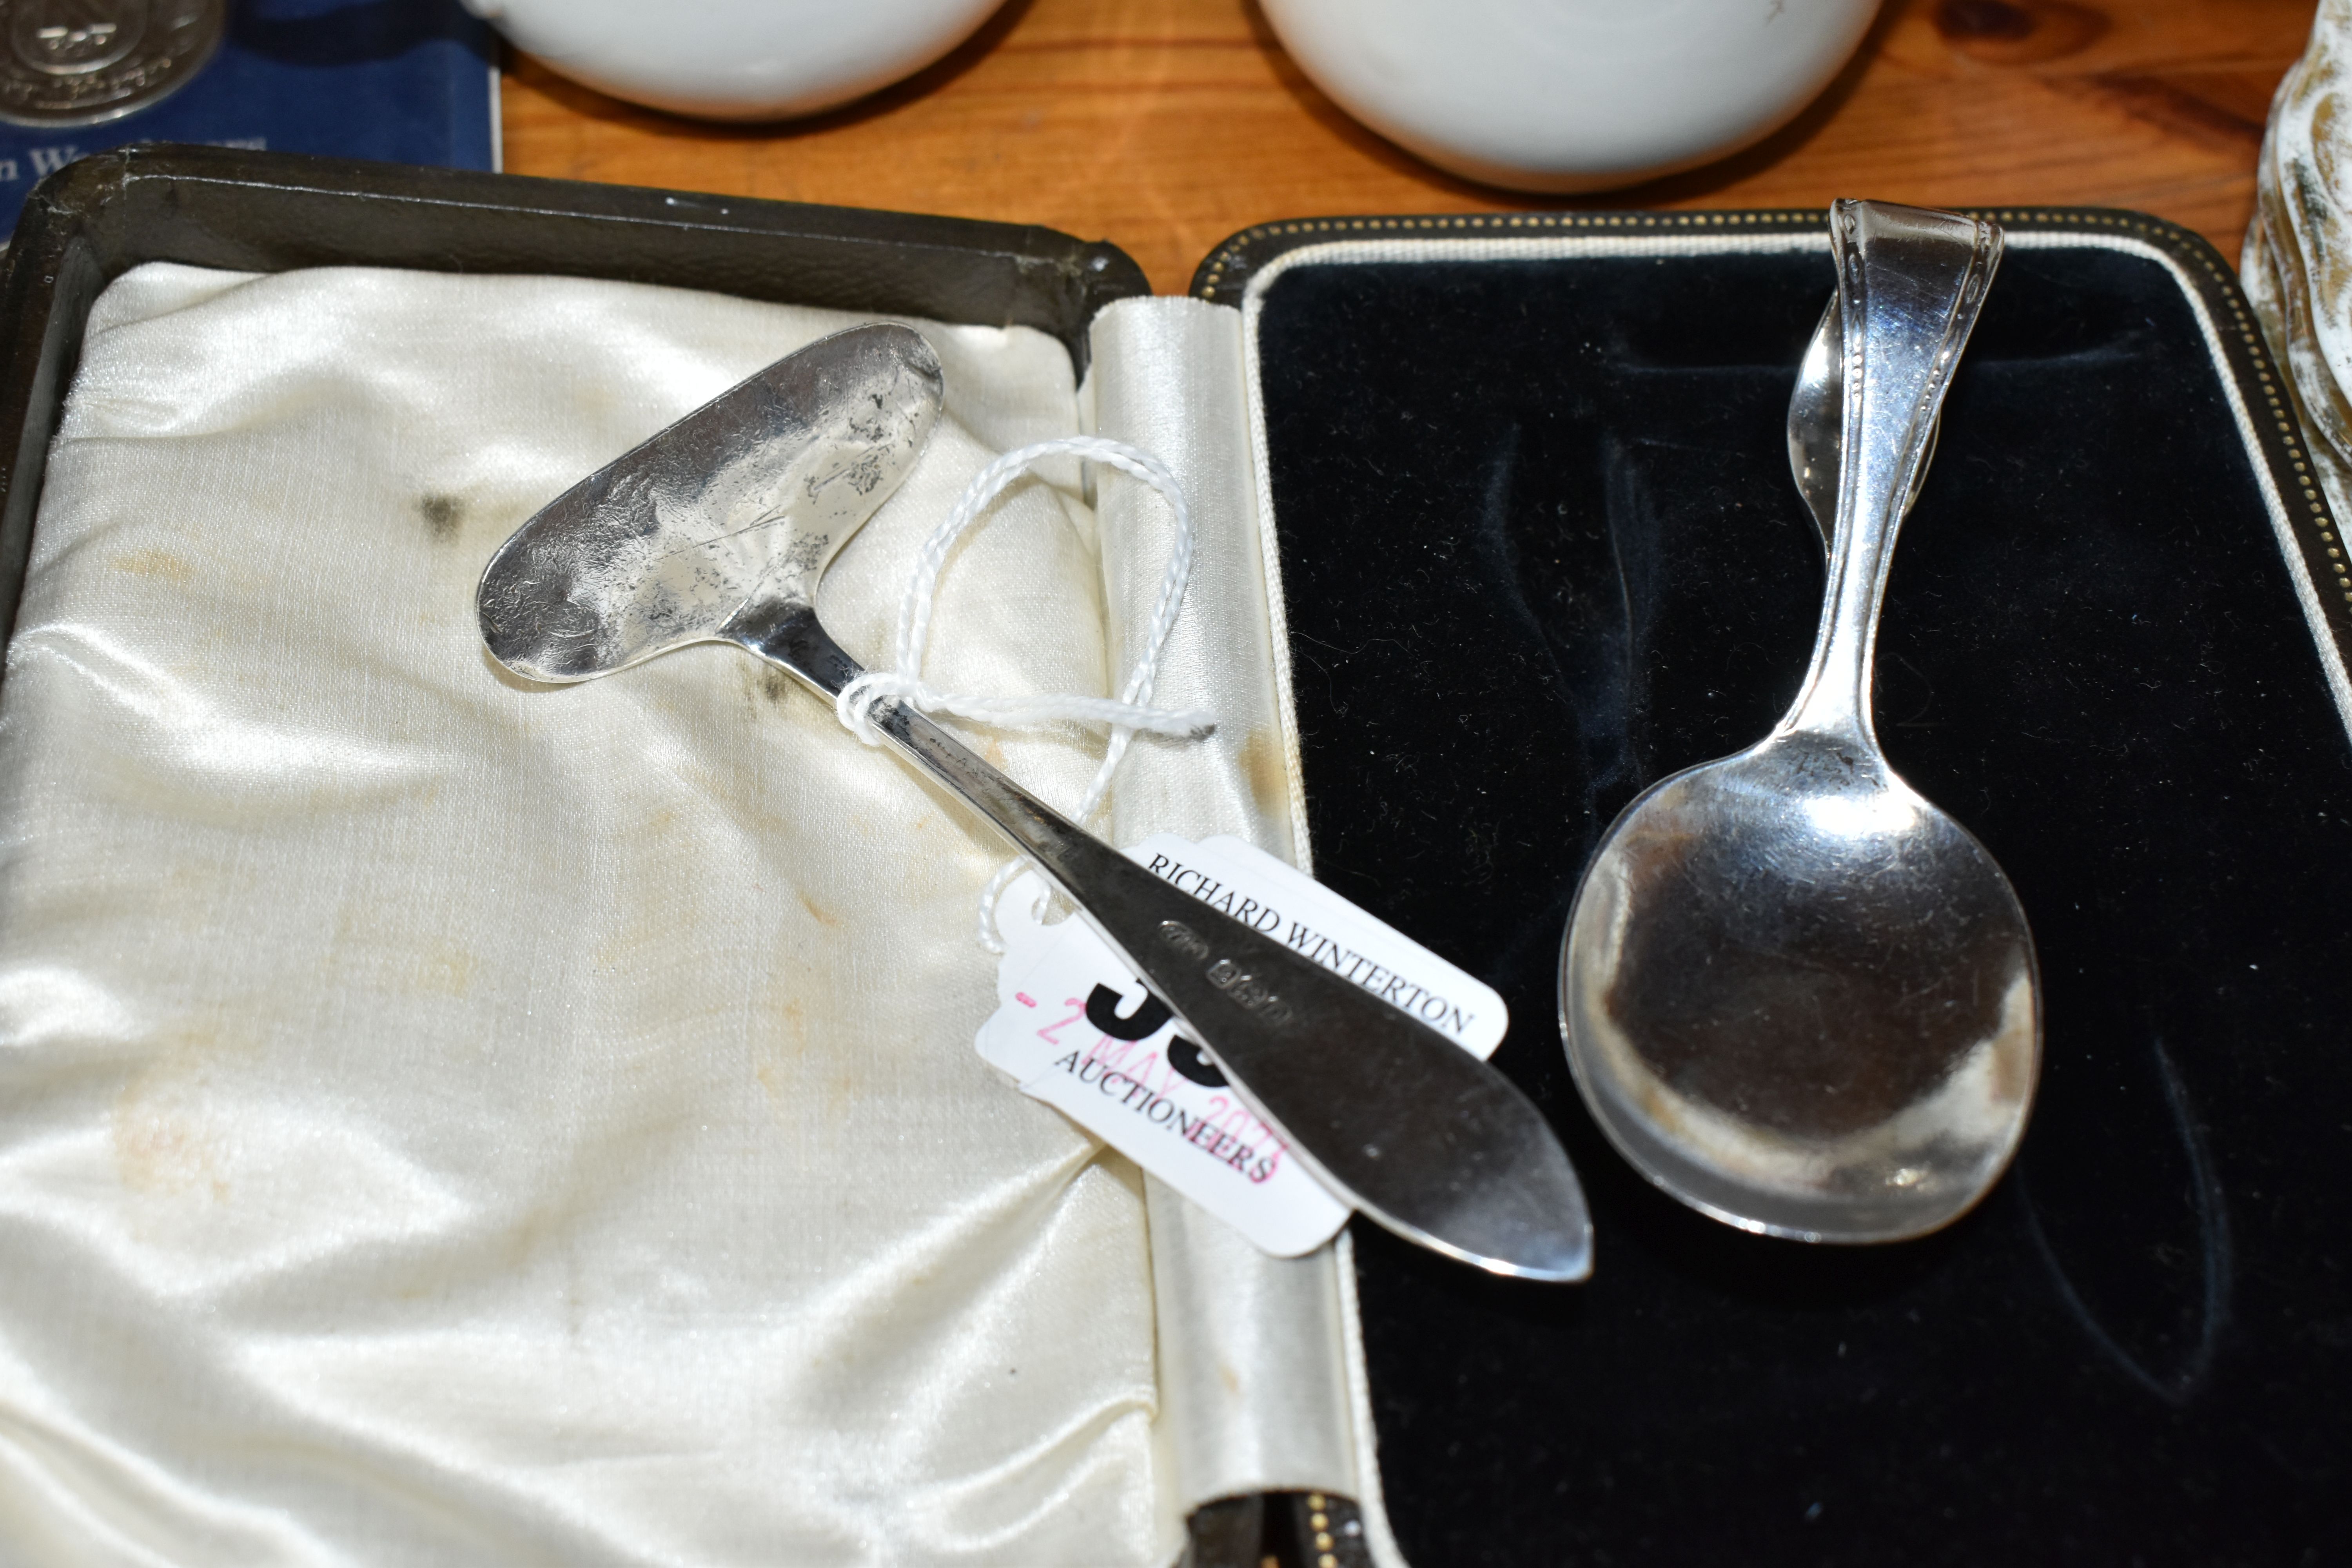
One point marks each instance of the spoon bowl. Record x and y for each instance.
(1804, 997)
(1795, 995)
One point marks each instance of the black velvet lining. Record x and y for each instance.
(1540, 547)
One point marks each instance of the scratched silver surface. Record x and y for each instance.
(743, 503)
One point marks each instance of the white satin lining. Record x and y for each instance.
(1252, 1362)
(448, 1121)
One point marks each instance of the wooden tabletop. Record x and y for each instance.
(1165, 125)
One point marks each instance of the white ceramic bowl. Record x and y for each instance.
(1571, 95)
(737, 59)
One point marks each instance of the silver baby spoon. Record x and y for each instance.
(720, 530)
(1795, 995)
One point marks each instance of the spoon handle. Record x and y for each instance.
(1406, 1126)
(1910, 285)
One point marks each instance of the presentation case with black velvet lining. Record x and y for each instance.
(1538, 546)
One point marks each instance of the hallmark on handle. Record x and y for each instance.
(1184, 939)
(1246, 988)
(1228, 976)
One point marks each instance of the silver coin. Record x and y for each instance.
(77, 62)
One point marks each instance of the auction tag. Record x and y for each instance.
(1076, 1029)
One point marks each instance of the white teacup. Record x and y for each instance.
(1571, 95)
(737, 59)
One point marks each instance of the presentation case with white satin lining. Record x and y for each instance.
(1495, 529)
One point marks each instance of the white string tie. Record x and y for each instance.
(1124, 715)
